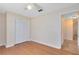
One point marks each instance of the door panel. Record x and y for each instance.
(20, 31)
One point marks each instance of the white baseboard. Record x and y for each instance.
(21, 42)
(7, 46)
(1, 44)
(48, 44)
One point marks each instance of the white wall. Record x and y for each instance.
(46, 29)
(11, 30)
(2, 29)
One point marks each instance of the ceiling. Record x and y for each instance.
(47, 7)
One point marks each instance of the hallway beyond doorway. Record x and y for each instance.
(70, 45)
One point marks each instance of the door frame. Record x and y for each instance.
(66, 12)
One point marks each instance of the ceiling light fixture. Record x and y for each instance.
(29, 7)
(33, 6)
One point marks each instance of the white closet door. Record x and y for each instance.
(20, 30)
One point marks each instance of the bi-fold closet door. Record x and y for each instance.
(21, 30)
(17, 29)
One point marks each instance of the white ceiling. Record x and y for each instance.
(47, 7)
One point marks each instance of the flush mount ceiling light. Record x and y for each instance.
(29, 7)
(33, 6)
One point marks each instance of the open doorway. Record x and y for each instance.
(70, 33)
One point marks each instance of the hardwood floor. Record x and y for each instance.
(71, 45)
(33, 48)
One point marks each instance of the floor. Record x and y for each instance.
(71, 45)
(33, 48)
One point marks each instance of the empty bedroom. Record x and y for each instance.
(39, 28)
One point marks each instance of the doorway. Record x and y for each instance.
(70, 33)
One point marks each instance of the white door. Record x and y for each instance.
(20, 30)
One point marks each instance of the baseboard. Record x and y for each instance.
(7, 46)
(1, 44)
(22, 42)
(47, 44)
